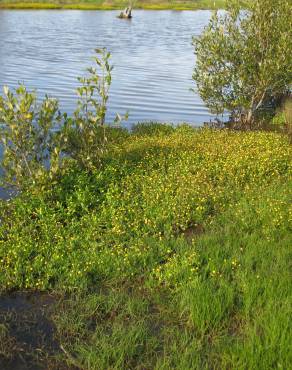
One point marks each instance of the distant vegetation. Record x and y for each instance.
(113, 4)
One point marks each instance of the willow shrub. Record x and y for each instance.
(244, 58)
(84, 135)
(125, 218)
(37, 137)
(26, 132)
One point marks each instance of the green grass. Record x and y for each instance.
(175, 254)
(112, 5)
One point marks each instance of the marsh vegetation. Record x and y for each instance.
(174, 253)
(159, 247)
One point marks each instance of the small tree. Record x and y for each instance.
(26, 133)
(83, 136)
(244, 57)
(31, 146)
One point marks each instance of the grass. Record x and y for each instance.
(175, 254)
(113, 5)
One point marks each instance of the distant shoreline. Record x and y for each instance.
(115, 5)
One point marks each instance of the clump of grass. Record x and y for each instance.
(151, 129)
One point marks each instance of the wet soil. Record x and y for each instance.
(193, 232)
(27, 335)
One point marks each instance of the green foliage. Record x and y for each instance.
(173, 254)
(32, 148)
(115, 221)
(224, 315)
(244, 58)
(113, 4)
(26, 131)
(84, 136)
(93, 93)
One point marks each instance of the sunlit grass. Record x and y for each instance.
(175, 254)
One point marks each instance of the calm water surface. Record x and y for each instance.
(152, 56)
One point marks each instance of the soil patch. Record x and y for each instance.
(27, 335)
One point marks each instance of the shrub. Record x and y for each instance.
(244, 58)
(85, 133)
(26, 131)
(32, 148)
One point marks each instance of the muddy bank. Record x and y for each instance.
(28, 338)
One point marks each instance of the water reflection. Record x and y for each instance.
(152, 54)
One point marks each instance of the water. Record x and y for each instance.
(152, 55)
(26, 316)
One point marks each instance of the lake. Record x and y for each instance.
(152, 56)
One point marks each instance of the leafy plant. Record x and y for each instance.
(26, 132)
(244, 58)
(93, 94)
(124, 217)
(84, 134)
(32, 148)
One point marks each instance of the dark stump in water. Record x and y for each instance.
(126, 14)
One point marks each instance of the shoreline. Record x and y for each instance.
(92, 6)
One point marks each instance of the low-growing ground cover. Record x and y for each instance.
(175, 254)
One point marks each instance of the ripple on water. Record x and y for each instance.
(152, 55)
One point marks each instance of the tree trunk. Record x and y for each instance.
(249, 118)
